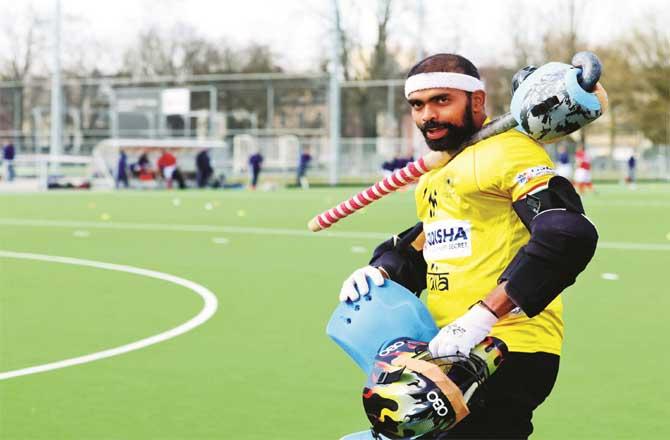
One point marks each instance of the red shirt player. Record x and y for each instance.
(583, 170)
(167, 163)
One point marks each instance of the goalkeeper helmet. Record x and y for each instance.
(410, 394)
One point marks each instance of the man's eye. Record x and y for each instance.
(417, 105)
(443, 99)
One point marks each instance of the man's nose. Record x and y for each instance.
(428, 114)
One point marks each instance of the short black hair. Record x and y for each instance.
(445, 62)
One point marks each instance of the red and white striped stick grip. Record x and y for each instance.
(397, 180)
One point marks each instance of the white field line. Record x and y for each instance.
(626, 203)
(189, 228)
(634, 246)
(263, 231)
(232, 195)
(209, 308)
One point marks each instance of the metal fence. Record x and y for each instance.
(375, 123)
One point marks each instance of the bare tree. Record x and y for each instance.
(258, 58)
(498, 80)
(24, 37)
(560, 43)
(617, 77)
(382, 63)
(525, 47)
(181, 51)
(648, 52)
(345, 42)
(362, 105)
(24, 40)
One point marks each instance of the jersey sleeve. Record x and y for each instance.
(514, 165)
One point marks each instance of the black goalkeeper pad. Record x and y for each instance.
(404, 264)
(562, 243)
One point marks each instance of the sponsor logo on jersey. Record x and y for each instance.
(447, 239)
(437, 280)
(527, 175)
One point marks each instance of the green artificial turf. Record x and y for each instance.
(262, 367)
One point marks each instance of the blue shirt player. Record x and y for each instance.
(255, 162)
(632, 162)
(8, 154)
(303, 163)
(122, 170)
(563, 168)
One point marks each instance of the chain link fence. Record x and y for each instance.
(263, 109)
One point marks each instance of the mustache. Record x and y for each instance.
(432, 125)
(455, 136)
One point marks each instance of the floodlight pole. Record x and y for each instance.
(56, 146)
(417, 138)
(421, 28)
(334, 96)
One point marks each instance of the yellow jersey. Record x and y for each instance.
(472, 233)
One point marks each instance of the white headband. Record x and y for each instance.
(441, 80)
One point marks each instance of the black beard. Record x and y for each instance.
(456, 134)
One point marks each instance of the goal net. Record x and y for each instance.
(280, 153)
(108, 153)
(40, 172)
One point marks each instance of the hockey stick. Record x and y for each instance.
(406, 175)
(558, 100)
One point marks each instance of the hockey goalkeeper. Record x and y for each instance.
(500, 237)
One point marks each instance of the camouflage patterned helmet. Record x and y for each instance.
(411, 395)
(550, 102)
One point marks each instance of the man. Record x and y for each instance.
(303, 163)
(143, 162)
(8, 154)
(255, 163)
(583, 171)
(167, 164)
(564, 168)
(396, 163)
(122, 170)
(500, 237)
(630, 177)
(203, 166)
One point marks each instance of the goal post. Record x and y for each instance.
(108, 151)
(41, 172)
(280, 153)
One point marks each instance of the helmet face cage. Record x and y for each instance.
(521, 75)
(402, 403)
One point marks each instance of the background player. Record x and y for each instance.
(583, 170)
(564, 167)
(255, 165)
(303, 162)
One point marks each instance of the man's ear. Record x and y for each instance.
(478, 101)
